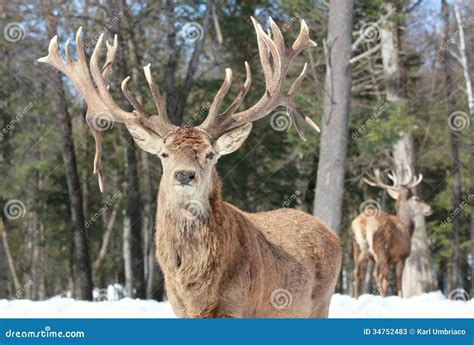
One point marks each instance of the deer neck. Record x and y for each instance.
(192, 250)
(404, 213)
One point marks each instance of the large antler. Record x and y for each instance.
(409, 181)
(376, 180)
(101, 107)
(275, 61)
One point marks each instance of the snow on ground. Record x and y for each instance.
(430, 305)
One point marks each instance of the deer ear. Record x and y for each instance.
(231, 141)
(393, 193)
(146, 139)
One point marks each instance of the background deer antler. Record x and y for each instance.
(408, 181)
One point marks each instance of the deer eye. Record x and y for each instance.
(210, 155)
(164, 155)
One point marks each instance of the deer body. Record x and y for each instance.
(218, 261)
(223, 262)
(386, 238)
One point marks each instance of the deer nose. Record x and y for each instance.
(184, 176)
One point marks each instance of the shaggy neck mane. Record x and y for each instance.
(194, 216)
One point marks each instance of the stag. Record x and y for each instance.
(218, 261)
(386, 238)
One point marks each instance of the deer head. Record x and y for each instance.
(188, 154)
(407, 204)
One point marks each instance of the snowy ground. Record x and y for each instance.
(430, 305)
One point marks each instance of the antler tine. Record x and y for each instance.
(119, 114)
(303, 40)
(277, 37)
(162, 124)
(273, 98)
(376, 181)
(416, 181)
(132, 99)
(392, 177)
(110, 57)
(215, 122)
(275, 62)
(241, 95)
(216, 103)
(100, 104)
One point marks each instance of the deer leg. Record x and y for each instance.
(360, 263)
(381, 275)
(400, 266)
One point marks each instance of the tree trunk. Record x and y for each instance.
(135, 276)
(4, 276)
(417, 275)
(6, 259)
(333, 146)
(82, 268)
(455, 280)
(152, 272)
(470, 100)
(178, 99)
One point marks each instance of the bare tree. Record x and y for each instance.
(461, 57)
(133, 246)
(332, 156)
(455, 278)
(82, 275)
(417, 275)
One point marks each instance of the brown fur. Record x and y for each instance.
(229, 263)
(386, 240)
